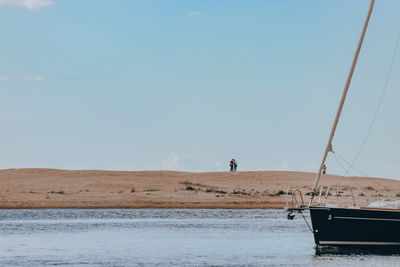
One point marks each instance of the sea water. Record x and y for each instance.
(165, 237)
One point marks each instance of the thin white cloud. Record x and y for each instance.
(30, 78)
(218, 166)
(193, 13)
(309, 167)
(387, 166)
(284, 166)
(3, 78)
(172, 162)
(28, 4)
(34, 78)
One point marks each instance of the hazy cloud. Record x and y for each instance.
(28, 4)
(29, 78)
(34, 78)
(219, 166)
(387, 166)
(309, 167)
(172, 162)
(193, 13)
(284, 166)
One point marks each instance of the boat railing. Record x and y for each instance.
(294, 200)
(321, 193)
(295, 205)
(324, 193)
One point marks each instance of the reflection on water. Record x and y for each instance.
(358, 250)
(164, 237)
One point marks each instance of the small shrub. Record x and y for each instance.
(234, 192)
(369, 188)
(189, 188)
(317, 193)
(280, 192)
(398, 195)
(59, 192)
(361, 194)
(133, 190)
(192, 184)
(209, 190)
(277, 193)
(220, 192)
(152, 190)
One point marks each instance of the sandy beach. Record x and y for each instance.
(52, 188)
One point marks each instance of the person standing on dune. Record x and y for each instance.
(231, 165)
(235, 164)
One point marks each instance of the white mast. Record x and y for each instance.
(346, 88)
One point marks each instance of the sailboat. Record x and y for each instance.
(340, 226)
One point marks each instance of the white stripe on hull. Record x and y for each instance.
(359, 243)
(369, 219)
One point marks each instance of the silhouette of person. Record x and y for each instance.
(231, 165)
(234, 165)
(324, 169)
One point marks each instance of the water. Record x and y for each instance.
(164, 237)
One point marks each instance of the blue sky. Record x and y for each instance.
(187, 85)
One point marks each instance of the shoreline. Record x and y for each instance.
(95, 189)
(147, 206)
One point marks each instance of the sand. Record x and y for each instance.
(52, 188)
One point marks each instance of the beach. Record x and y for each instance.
(53, 188)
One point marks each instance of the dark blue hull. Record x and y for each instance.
(355, 227)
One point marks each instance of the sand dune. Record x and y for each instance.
(52, 188)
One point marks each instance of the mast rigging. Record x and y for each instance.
(345, 90)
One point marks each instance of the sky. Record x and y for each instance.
(189, 85)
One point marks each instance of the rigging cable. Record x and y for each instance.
(379, 104)
(337, 156)
(367, 193)
(309, 227)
